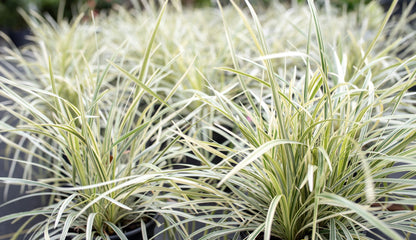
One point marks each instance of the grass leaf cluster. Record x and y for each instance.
(299, 122)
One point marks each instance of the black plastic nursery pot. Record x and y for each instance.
(244, 235)
(19, 37)
(132, 232)
(136, 232)
(217, 138)
(7, 229)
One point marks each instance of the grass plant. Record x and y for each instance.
(317, 152)
(107, 157)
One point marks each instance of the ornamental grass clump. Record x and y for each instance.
(318, 153)
(107, 159)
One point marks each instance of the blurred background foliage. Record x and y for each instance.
(11, 19)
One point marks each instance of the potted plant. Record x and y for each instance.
(107, 156)
(317, 153)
